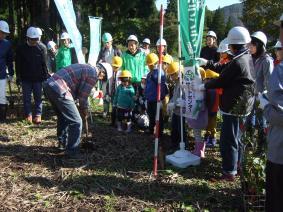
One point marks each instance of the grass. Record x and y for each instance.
(115, 176)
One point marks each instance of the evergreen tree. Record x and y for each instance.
(218, 24)
(228, 26)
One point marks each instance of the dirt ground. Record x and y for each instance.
(114, 174)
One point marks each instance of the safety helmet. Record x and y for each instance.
(202, 72)
(279, 21)
(64, 36)
(143, 121)
(209, 74)
(162, 43)
(146, 40)
(4, 27)
(32, 32)
(117, 61)
(106, 37)
(260, 36)
(174, 68)
(278, 45)
(133, 38)
(238, 35)
(51, 44)
(125, 74)
(167, 59)
(39, 31)
(211, 34)
(151, 59)
(223, 46)
(107, 68)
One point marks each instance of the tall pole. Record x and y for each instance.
(157, 117)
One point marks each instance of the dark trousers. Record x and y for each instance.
(151, 111)
(34, 88)
(176, 130)
(274, 187)
(69, 121)
(231, 147)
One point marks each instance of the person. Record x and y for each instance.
(236, 100)
(140, 102)
(51, 57)
(63, 88)
(151, 92)
(109, 50)
(145, 46)
(116, 65)
(263, 67)
(174, 106)
(278, 52)
(272, 109)
(209, 51)
(31, 71)
(224, 52)
(162, 45)
(134, 61)
(66, 54)
(6, 61)
(124, 101)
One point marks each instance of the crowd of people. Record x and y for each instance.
(234, 77)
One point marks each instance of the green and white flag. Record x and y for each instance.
(192, 22)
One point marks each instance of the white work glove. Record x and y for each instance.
(202, 61)
(170, 107)
(180, 102)
(197, 85)
(262, 101)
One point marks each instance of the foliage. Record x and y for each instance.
(218, 24)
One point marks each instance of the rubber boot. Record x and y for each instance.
(199, 149)
(119, 126)
(3, 112)
(129, 127)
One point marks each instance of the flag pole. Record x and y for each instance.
(157, 117)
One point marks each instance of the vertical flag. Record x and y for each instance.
(192, 22)
(65, 8)
(95, 35)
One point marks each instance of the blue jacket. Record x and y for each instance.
(124, 97)
(151, 86)
(6, 58)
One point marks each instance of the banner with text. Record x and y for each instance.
(95, 35)
(66, 11)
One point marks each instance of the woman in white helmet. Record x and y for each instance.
(66, 54)
(6, 61)
(31, 72)
(209, 52)
(145, 46)
(278, 48)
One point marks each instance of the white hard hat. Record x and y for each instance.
(132, 37)
(32, 32)
(211, 34)
(108, 68)
(278, 45)
(260, 36)
(51, 44)
(39, 31)
(223, 46)
(238, 35)
(146, 40)
(279, 21)
(4, 27)
(163, 42)
(64, 36)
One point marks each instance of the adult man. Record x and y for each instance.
(6, 60)
(62, 89)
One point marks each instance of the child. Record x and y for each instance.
(124, 100)
(174, 106)
(52, 52)
(151, 92)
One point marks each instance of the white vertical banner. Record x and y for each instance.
(66, 10)
(95, 35)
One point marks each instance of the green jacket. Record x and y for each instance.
(136, 64)
(124, 97)
(65, 57)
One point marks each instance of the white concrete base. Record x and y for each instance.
(183, 159)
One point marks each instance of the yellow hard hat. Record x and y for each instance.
(202, 72)
(151, 59)
(117, 61)
(125, 74)
(167, 59)
(173, 68)
(209, 74)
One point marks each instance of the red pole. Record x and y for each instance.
(157, 129)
